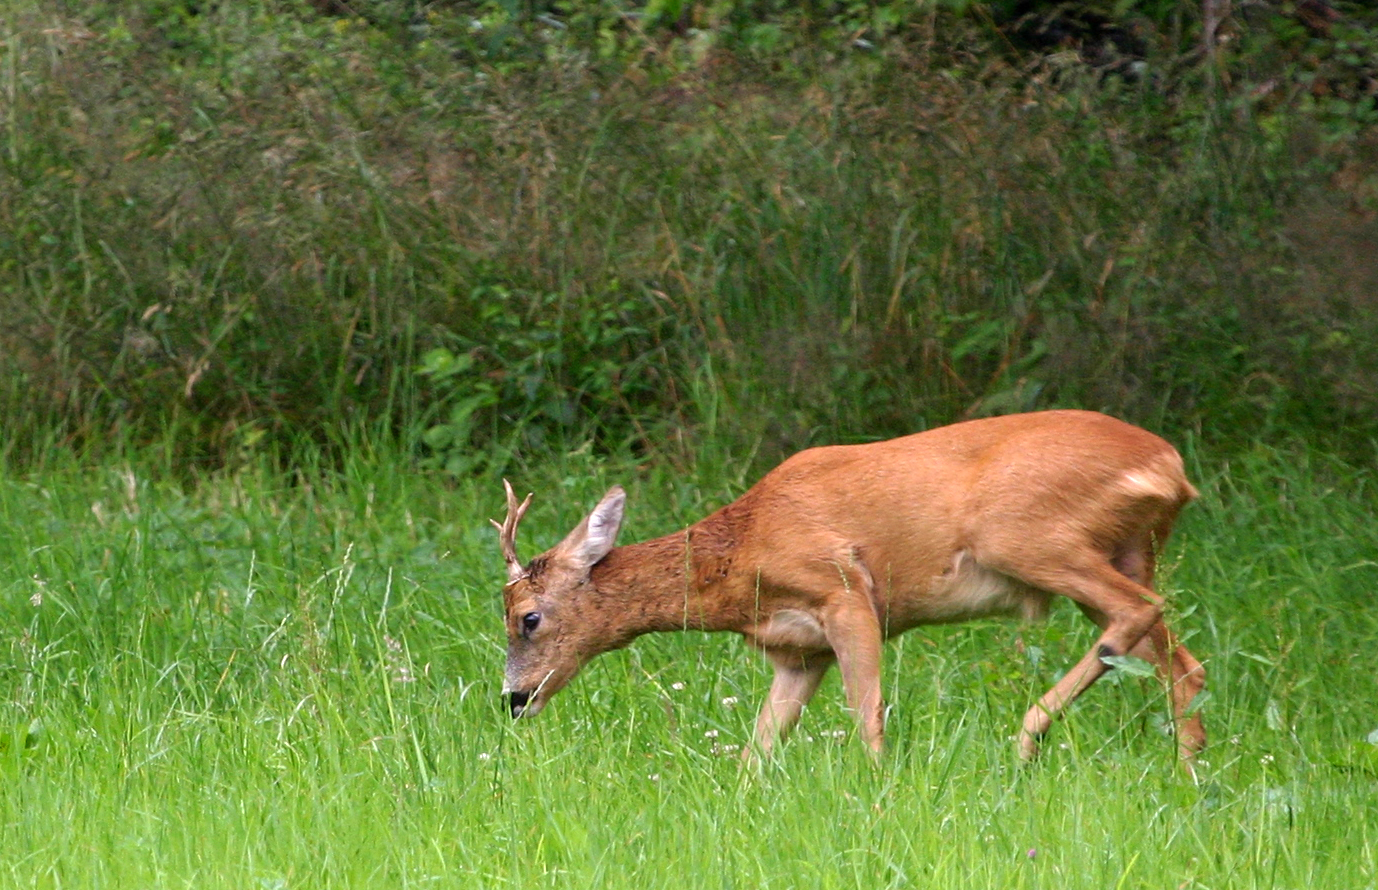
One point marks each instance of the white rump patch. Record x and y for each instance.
(1144, 483)
(1161, 478)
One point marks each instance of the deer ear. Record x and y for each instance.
(595, 536)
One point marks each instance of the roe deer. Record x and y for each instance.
(840, 547)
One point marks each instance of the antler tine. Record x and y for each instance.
(507, 531)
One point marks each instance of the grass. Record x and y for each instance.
(268, 680)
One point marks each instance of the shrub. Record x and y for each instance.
(231, 225)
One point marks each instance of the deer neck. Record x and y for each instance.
(676, 582)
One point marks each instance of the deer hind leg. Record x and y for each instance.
(1125, 610)
(1185, 678)
(796, 680)
(1176, 666)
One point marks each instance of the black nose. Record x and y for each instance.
(517, 701)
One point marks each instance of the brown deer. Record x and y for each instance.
(840, 547)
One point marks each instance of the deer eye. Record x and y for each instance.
(530, 621)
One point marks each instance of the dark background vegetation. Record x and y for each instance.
(503, 229)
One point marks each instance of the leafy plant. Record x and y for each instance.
(539, 371)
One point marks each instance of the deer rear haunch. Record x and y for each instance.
(842, 547)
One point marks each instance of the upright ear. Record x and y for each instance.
(594, 537)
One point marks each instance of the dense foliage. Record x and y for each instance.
(510, 228)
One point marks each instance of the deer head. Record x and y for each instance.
(555, 620)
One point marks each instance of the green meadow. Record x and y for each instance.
(264, 679)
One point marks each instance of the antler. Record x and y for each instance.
(507, 532)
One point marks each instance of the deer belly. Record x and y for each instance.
(966, 590)
(790, 630)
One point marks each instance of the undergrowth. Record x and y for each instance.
(494, 232)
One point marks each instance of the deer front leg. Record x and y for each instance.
(796, 680)
(854, 634)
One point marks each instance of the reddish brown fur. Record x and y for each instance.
(841, 547)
